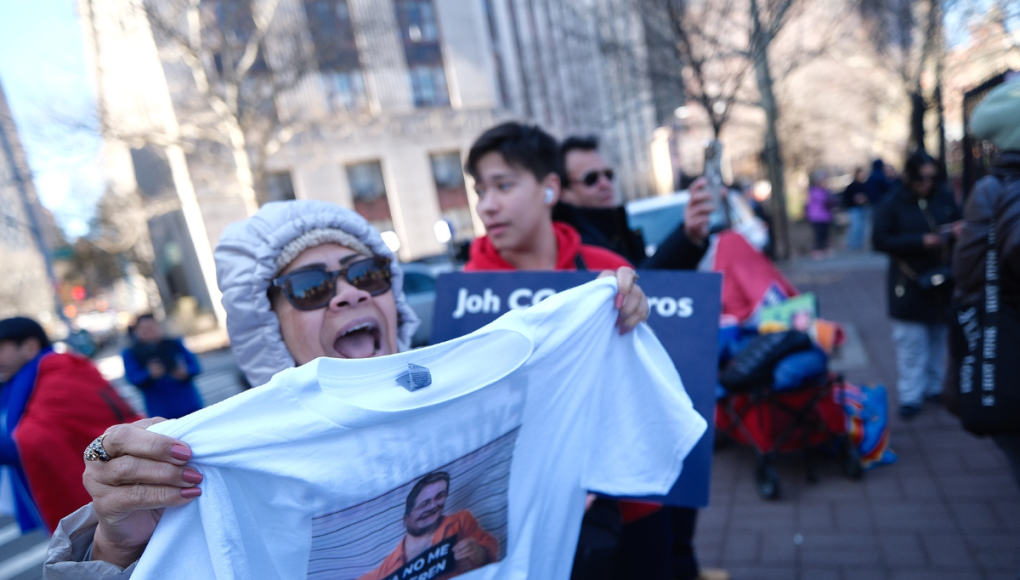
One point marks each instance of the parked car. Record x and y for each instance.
(420, 289)
(658, 217)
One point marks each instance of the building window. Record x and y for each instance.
(336, 53)
(229, 27)
(279, 187)
(420, 34)
(345, 90)
(368, 188)
(152, 171)
(452, 193)
(428, 83)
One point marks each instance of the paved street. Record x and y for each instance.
(947, 510)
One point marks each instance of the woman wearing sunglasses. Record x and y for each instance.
(300, 280)
(915, 224)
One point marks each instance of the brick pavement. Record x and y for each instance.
(947, 510)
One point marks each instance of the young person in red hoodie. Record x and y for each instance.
(514, 168)
(515, 171)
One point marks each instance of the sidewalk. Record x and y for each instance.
(947, 510)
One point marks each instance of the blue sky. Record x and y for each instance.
(48, 86)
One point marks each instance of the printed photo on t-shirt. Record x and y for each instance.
(447, 522)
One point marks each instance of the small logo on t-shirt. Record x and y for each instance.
(417, 377)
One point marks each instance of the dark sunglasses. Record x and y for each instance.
(592, 177)
(313, 289)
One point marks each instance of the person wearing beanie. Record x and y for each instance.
(995, 200)
(300, 279)
(53, 405)
(997, 117)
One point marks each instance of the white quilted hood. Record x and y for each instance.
(246, 262)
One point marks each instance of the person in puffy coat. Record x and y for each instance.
(914, 225)
(277, 318)
(995, 200)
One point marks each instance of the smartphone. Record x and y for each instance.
(720, 218)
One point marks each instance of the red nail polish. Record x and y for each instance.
(180, 452)
(192, 476)
(191, 492)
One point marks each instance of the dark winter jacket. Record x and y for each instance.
(851, 192)
(168, 396)
(608, 228)
(996, 199)
(877, 186)
(900, 223)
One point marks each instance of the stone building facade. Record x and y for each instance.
(400, 91)
(26, 287)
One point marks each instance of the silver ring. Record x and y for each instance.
(95, 451)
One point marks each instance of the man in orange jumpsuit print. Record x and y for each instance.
(436, 546)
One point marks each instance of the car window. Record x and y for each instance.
(415, 283)
(656, 225)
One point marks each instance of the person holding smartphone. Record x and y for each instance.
(914, 227)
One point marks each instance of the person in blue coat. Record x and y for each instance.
(163, 369)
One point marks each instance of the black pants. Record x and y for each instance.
(821, 235)
(659, 547)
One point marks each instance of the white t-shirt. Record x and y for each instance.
(334, 470)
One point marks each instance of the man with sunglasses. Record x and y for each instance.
(589, 203)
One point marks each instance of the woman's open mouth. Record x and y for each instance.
(361, 340)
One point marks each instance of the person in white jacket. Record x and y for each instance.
(300, 280)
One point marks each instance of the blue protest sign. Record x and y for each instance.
(685, 309)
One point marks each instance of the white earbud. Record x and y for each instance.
(549, 195)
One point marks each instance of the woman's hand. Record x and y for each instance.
(145, 474)
(630, 299)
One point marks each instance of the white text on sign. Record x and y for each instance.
(488, 302)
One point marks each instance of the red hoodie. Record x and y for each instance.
(485, 257)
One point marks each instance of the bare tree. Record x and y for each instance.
(229, 65)
(716, 44)
(708, 41)
(909, 40)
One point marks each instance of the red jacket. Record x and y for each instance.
(484, 256)
(71, 405)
